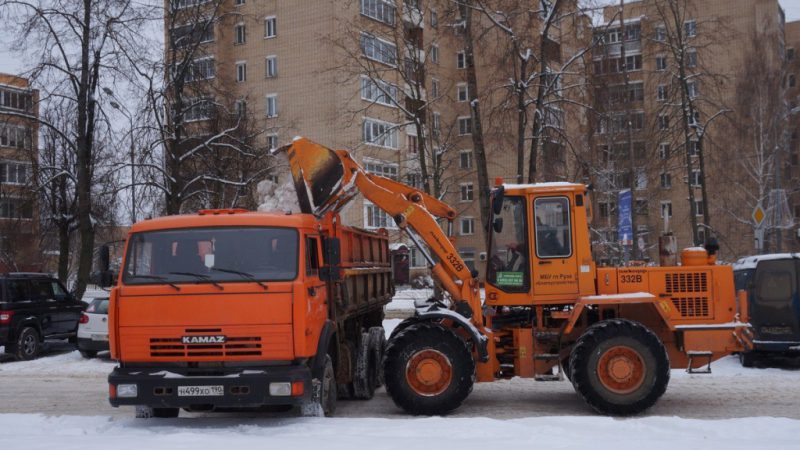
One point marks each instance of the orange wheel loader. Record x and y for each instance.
(549, 312)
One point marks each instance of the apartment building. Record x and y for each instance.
(385, 79)
(19, 217)
(655, 59)
(792, 158)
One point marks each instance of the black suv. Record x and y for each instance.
(35, 307)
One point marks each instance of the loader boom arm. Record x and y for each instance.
(315, 170)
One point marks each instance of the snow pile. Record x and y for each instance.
(70, 364)
(273, 197)
(34, 431)
(403, 299)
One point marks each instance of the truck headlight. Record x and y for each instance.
(280, 389)
(127, 390)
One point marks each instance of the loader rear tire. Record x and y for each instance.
(619, 367)
(428, 369)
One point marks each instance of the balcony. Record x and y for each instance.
(412, 14)
(615, 49)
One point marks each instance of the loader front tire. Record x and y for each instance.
(428, 369)
(619, 367)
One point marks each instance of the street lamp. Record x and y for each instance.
(125, 113)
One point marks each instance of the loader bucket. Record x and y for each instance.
(318, 175)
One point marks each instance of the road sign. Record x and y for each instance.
(759, 215)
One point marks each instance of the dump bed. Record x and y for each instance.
(366, 273)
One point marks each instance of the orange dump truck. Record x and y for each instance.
(229, 309)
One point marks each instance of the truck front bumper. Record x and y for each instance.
(241, 387)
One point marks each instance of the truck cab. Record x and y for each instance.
(229, 309)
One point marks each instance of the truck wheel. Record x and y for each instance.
(377, 347)
(147, 412)
(619, 367)
(323, 403)
(88, 354)
(748, 359)
(364, 378)
(27, 346)
(429, 370)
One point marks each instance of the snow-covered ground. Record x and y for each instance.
(31, 432)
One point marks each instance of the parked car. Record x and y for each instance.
(772, 283)
(35, 307)
(93, 328)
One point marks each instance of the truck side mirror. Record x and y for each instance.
(332, 258)
(106, 278)
(497, 224)
(497, 200)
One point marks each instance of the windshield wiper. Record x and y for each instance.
(200, 277)
(249, 276)
(158, 277)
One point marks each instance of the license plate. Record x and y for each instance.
(200, 391)
(99, 337)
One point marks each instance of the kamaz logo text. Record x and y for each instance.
(189, 340)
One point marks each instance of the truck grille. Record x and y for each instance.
(234, 346)
(689, 293)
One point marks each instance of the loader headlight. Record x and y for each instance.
(127, 390)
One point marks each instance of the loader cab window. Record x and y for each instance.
(508, 267)
(553, 234)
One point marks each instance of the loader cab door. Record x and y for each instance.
(554, 263)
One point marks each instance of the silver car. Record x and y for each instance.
(93, 328)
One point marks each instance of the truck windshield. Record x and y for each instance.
(211, 255)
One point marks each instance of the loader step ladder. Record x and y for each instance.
(699, 355)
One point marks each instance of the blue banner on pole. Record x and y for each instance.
(624, 225)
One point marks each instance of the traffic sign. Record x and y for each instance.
(759, 215)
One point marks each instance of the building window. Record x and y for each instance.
(239, 34)
(691, 58)
(698, 208)
(414, 180)
(641, 179)
(633, 62)
(661, 93)
(694, 119)
(436, 126)
(467, 226)
(666, 209)
(666, 180)
(381, 168)
(270, 27)
(696, 179)
(201, 69)
(197, 109)
(690, 27)
(238, 2)
(379, 133)
(434, 88)
(790, 54)
(378, 91)
(15, 136)
(380, 10)
(272, 105)
(378, 50)
(411, 140)
(417, 260)
(198, 32)
(663, 122)
(467, 192)
(435, 54)
(272, 66)
(462, 92)
(694, 150)
(14, 172)
(15, 208)
(272, 142)
(792, 80)
(240, 107)
(469, 259)
(642, 207)
(375, 217)
(464, 126)
(692, 89)
(661, 34)
(434, 18)
(661, 63)
(461, 60)
(241, 71)
(465, 159)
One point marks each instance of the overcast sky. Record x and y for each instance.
(12, 63)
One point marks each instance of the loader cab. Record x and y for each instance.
(538, 245)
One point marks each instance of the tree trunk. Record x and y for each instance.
(629, 129)
(478, 149)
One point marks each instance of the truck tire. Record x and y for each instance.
(429, 370)
(364, 378)
(147, 412)
(377, 347)
(407, 322)
(619, 367)
(748, 359)
(27, 345)
(325, 404)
